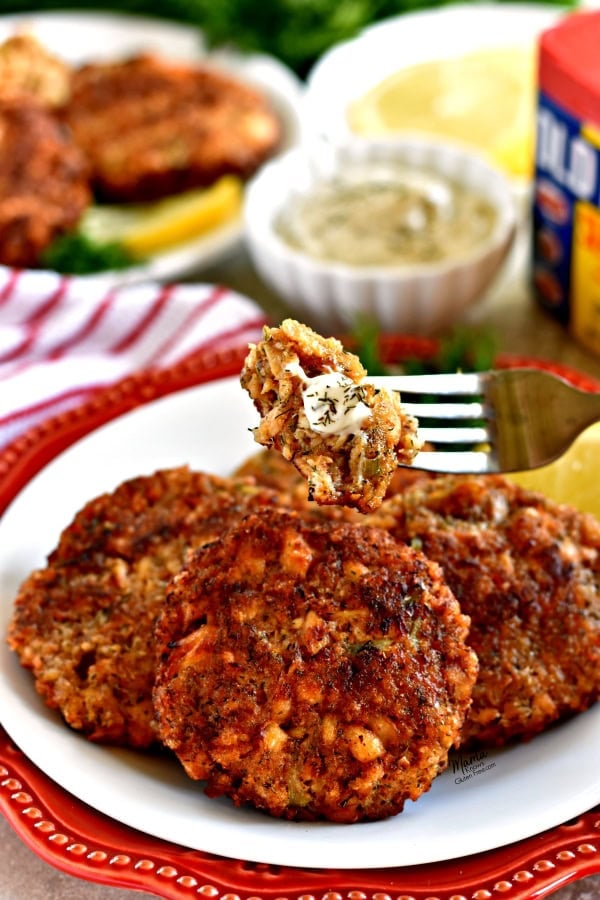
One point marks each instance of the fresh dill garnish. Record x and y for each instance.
(297, 32)
(327, 406)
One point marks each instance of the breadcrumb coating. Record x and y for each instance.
(84, 623)
(312, 669)
(526, 571)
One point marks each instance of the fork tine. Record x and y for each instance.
(454, 383)
(442, 415)
(446, 435)
(443, 410)
(474, 462)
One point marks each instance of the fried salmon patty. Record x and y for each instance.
(345, 461)
(29, 70)
(527, 572)
(43, 181)
(312, 669)
(84, 623)
(150, 128)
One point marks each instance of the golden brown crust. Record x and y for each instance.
(28, 70)
(150, 128)
(84, 623)
(312, 669)
(271, 469)
(527, 572)
(43, 181)
(348, 469)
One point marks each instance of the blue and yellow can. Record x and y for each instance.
(566, 203)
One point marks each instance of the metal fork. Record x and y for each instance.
(505, 420)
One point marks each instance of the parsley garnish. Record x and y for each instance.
(77, 254)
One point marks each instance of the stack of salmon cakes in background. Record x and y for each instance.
(150, 128)
(44, 186)
(128, 131)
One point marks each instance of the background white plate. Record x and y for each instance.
(81, 37)
(349, 70)
(482, 801)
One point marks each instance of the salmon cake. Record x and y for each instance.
(83, 624)
(314, 670)
(526, 571)
(150, 128)
(44, 187)
(29, 70)
(345, 437)
(270, 468)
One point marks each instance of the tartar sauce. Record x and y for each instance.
(387, 215)
(333, 403)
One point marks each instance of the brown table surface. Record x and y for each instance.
(521, 327)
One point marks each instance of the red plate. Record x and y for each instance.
(73, 837)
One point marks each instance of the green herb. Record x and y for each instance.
(325, 408)
(295, 31)
(380, 644)
(462, 349)
(77, 254)
(366, 334)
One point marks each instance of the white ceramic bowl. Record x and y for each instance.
(419, 299)
(352, 68)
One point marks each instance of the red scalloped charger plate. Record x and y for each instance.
(73, 837)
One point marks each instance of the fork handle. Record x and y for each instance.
(538, 424)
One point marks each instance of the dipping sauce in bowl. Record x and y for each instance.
(387, 214)
(408, 232)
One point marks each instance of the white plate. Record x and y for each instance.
(349, 70)
(81, 37)
(482, 801)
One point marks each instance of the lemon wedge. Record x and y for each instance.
(485, 99)
(146, 229)
(570, 479)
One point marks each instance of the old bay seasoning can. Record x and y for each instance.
(566, 205)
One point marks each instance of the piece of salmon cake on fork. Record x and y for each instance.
(318, 410)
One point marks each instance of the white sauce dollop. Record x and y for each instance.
(333, 403)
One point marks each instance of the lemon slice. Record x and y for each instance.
(485, 99)
(146, 229)
(570, 479)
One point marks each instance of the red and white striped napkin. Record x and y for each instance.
(62, 339)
